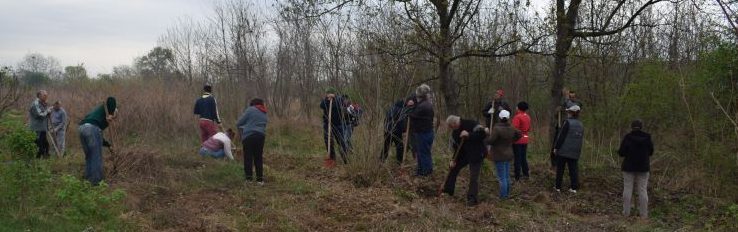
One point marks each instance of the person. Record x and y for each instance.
(331, 104)
(353, 114)
(90, 134)
(219, 145)
(207, 110)
(38, 115)
(494, 106)
(521, 122)
(501, 138)
(395, 124)
(568, 149)
(571, 100)
(252, 126)
(470, 136)
(637, 149)
(421, 119)
(59, 127)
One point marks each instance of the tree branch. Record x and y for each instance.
(603, 32)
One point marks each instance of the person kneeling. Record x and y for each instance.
(218, 145)
(470, 136)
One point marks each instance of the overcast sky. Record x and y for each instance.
(99, 33)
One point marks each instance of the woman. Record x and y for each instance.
(637, 149)
(501, 138)
(421, 120)
(521, 122)
(568, 148)
(252, 127)
(90, 134)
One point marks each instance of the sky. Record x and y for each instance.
(99, 34)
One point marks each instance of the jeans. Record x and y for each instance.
(561, 162)
(59, 139)
(91, 139)
(43, 145)
(640, 180)
(389, 139)
(521, 160)
(208, 128)
(422, 146)
(253, 150)
(338, 138)
(348, 132)
(215, 154)
(474, 170)
(503, 175)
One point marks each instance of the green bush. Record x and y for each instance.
(83, 202)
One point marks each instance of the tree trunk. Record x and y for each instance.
(449, 87)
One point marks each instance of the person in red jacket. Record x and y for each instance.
(521, 122)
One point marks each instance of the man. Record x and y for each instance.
(568, 149)
(395, 124)
(38, 115)
(521, 122)
(90, 134)
(59, 127)
(501, 139)
(493, 108)
(219, 145)
(332, 104)
(207, 109)
(353, 114)
(470, 136)
(421, 120)
(571, 100)
(568, 100)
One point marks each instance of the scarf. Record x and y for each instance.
(261, 108)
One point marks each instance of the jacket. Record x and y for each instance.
(253, 121)
(217, 142)
(395, 121)
(501, 138)
(521, 122)
(570, 139)
(38, 115)
(473, 148)
(421, 117)
(207, 108)
(637, 149)
(337, 113)
(498, 105)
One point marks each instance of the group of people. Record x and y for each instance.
(409, 123)
(251, 128)
(52, 122)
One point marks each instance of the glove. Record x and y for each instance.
(106, 144)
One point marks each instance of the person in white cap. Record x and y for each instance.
(568, 148)
(501, 138)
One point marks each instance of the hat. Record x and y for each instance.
(330, 90)
(504, 114)
(501, 92)
(111, 104)
(574, 108)
(636, 124)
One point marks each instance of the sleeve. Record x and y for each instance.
(518, 135)
(485, 112)
(323, 104)
(37, 112)
(243, 119)
(63, 120)
(650, 147)
(516, 123)
(562, 135)
(196, 109)
(217, 113)
(227, 149)
(623, 150)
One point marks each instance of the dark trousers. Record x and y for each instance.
(389, 139)
(573, 171)
(338, 139)
(43, 145)
(521, 160)
(474, 170)
(253, 150)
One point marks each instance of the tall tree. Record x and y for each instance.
(158, 63)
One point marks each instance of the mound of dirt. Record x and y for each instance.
(133, 165)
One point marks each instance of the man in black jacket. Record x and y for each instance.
(206, 108)
(637, 149)
(470, 136)
(333, 105)
(395, 125)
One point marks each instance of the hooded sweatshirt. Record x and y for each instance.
(253, 121)
(637, 148)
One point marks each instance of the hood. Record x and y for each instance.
(638, 137)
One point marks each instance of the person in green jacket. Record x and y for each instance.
(90, 134)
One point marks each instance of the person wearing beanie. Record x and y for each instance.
(252, 127)
(494, 106)
(421, 127)
(333, 104)
(90, 134)
(568, 149)
(501, 138)
(206, 108)
(636, 149)
(521, 122)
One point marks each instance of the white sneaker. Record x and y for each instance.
(557, 190)
(260, 183)
(572, 191)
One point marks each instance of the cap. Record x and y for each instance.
(574, 108)
(504, 114)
